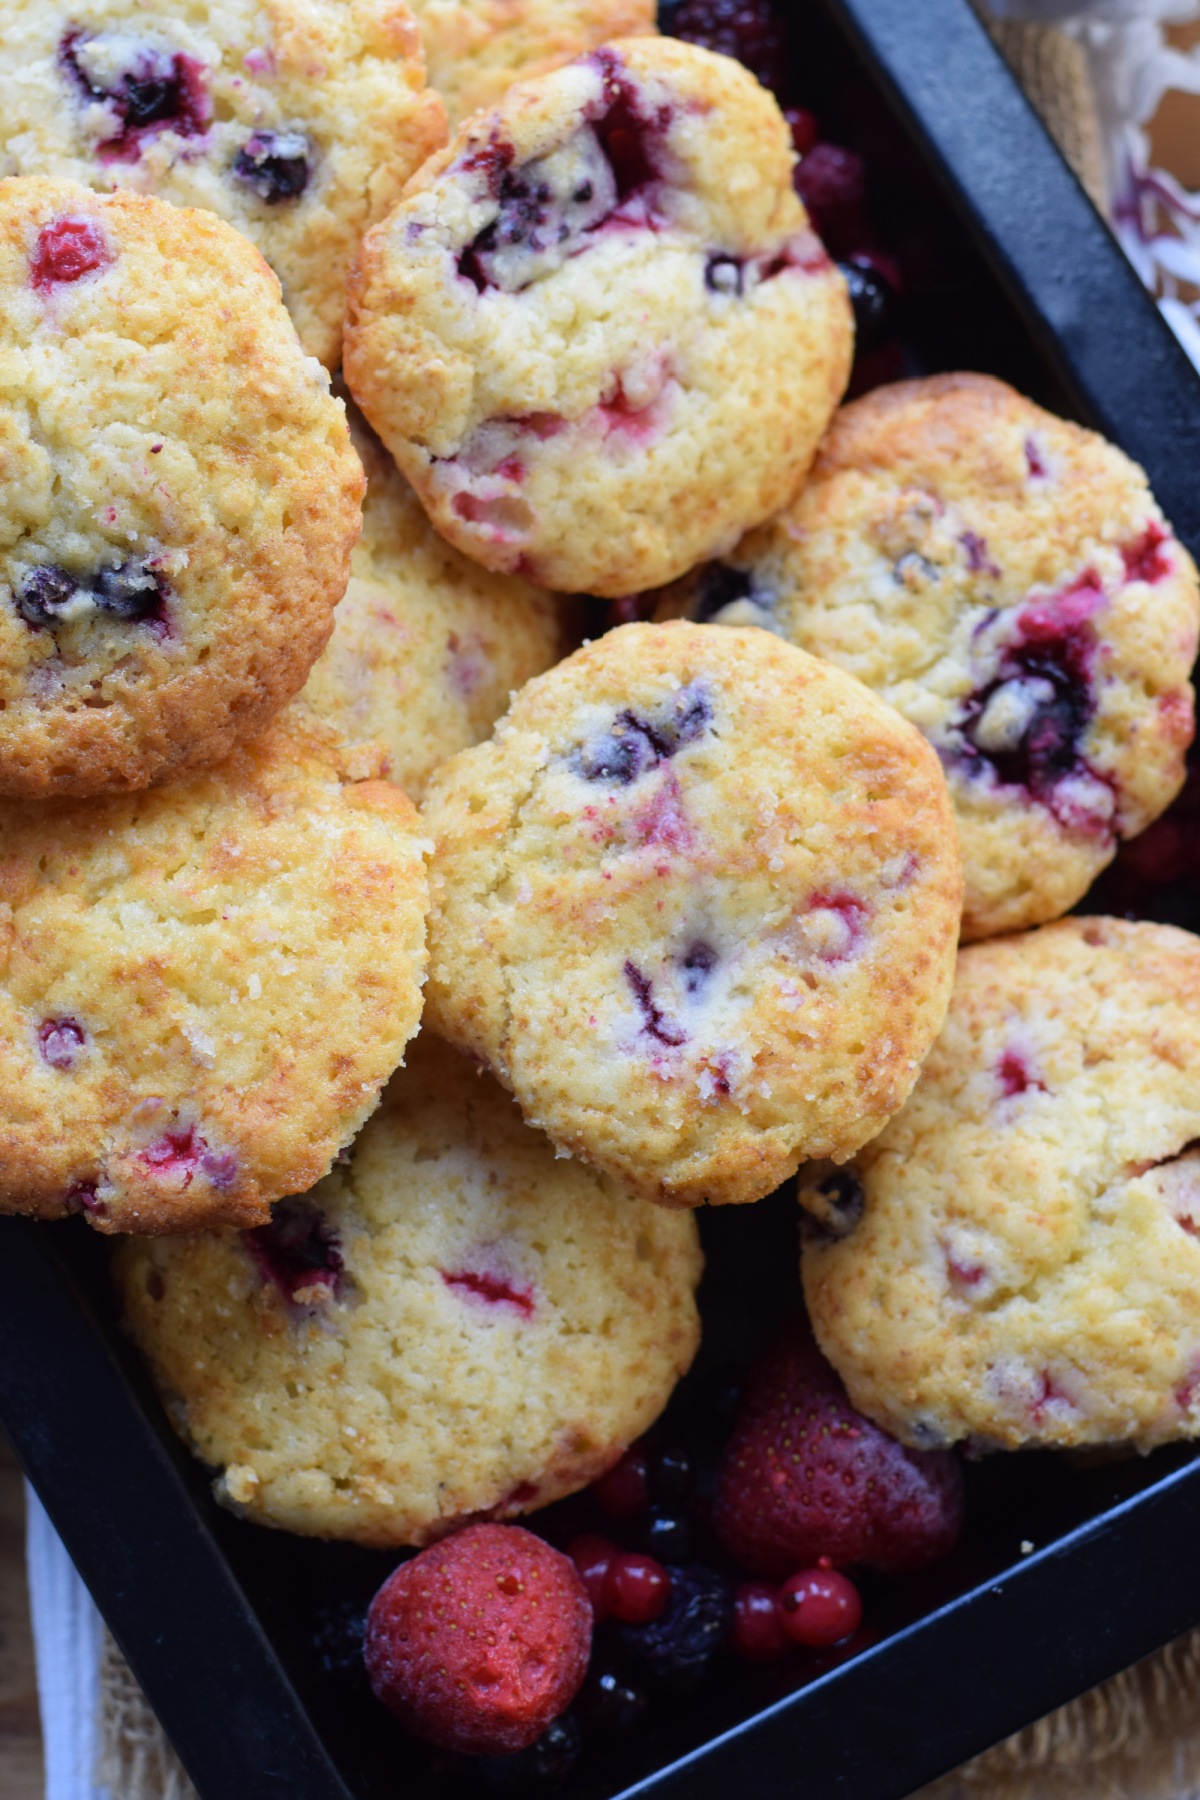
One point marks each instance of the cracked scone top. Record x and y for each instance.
(299, 121)
(427, 646)
(696, 903)
(476, 49)
(453, 1323)
(180, 493)
(1006, 580)
(204, 986)
(598, 334)
(1015, 1258)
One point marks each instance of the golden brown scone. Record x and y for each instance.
(1006, 580)
(180, 493)
(204, 986)
(299, 121)
(427, 646)
(476, 49)
(1014, 1259)
(597, 334)
(453, 1325)
(696, 903)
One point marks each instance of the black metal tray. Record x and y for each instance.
(237, 1634)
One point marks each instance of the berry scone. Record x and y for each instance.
(299, 121)
(476, 49)
(696, 903)
(205, 986)
(598, 334)
(1014, 1260)
(1006, 580)
(180, 492)
(453, 1324)
(427, 647)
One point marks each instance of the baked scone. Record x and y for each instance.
(205, 986)
(1006, 580)
(427, 647)
(180, 493)
(597, 334)
(476, 49)
(696, 903)
(454, 1324)
(1014, 1260)
(299, 121)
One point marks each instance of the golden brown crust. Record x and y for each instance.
(736, 956)
(341, 80)
(401, 1402)
(1005, 579)
(1026, 1269)
(709, 341)
(203, 987)
(159, 415)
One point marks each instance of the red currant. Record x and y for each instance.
(636, 1588)
(804, 128)
(819, 1607)
(757, 1633)
(593, 1556)
(623, 1490)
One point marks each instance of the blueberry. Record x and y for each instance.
(698, 1617)
(274, 164)
(611, 1702)
(845, 1200)
(548, 1760)
(43, 594)
(130, 592)
(666, 1535)
(638, 743)
(698, 962)
(720, 586)
(338, 1638)
(297, 1250)
(723, 274)
(670, 1473)
(874, 305)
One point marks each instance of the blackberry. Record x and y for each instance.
(697, 1619)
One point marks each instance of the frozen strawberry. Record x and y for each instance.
(480, 1641)
(804, 1476)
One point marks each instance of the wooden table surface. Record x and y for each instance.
(20, 1732)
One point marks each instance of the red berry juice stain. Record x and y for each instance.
(1144, 559)
(494, 1290)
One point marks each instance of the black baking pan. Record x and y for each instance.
(244, 1639)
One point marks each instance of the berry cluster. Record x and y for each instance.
(775, 1477)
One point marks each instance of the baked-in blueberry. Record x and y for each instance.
(275, 164)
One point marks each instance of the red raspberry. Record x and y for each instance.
(480, 1641)
(804, 1476)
